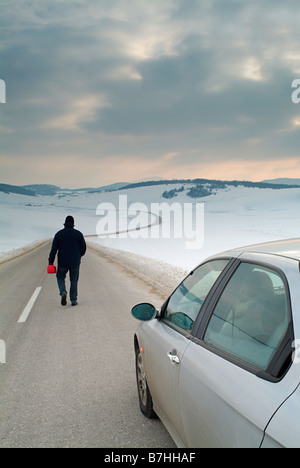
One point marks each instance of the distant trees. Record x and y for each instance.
(172, 193)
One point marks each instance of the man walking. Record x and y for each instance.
(71, 246)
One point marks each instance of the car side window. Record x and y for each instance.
(185, 303)
(252, 315)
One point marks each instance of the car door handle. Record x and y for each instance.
(173, 358)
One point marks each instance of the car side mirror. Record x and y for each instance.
(144, 312)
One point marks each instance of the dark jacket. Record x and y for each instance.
(70, 245)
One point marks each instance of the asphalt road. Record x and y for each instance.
(69, 376)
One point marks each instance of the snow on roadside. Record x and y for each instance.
(162, 277)
(7, 256)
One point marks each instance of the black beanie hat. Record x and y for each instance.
(69, 220)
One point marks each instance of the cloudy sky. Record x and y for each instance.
(101, 91)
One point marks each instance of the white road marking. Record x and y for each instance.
(29, 306)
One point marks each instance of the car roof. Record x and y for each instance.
(289, 248)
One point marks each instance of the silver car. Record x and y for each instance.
(219, 364)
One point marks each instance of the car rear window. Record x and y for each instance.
(252, 315)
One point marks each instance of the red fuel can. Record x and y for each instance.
(51, 269)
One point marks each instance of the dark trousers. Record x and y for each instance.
(61, 281)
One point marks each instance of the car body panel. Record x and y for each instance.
(235, 404)
(283, 430)
(207, 400)
(157, 341)
(285, 248)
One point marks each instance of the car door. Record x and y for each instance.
(162, 366)
(166, 340)
(230, 383)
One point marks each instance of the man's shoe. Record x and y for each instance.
(63, 299)
(74, 304)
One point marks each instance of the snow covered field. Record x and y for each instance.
(233, 217)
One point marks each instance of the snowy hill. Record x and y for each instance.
(5, 188)
(283, 181)
(46, 189)
(42, 189)
(234, 215)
